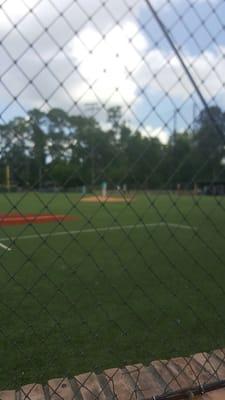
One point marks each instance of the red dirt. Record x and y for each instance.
(18, 219)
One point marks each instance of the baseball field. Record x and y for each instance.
(88, 285)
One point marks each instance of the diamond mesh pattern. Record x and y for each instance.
(112, 124)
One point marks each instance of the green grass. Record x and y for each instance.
(71, 304)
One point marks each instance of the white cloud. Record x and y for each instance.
(162, 72)
(104, 65)
(73, 65)
(96, 60)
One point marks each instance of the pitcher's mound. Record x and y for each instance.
(107, 199)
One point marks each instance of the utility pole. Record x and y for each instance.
(194, 114)
(175, 121)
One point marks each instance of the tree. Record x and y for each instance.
(59, 129)
(144, 155)
(209, 141)
(14, 138)
(92, 149)
(37, 123)
(70, 150)
(114, 115)
(179, 159)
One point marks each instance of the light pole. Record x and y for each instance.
(92, 109)
(175, 120)
(194, 114)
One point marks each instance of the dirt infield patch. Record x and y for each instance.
(107, 199)
(18, 219)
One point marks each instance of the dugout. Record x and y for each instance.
(216, 188)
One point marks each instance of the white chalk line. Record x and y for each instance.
(96, 230)
(5, 247)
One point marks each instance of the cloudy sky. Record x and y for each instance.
(69, 53)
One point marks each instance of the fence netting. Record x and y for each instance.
(112, 185)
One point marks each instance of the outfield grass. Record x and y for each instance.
(75, 303)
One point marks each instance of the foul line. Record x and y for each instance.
(95, 230)
(5, 247)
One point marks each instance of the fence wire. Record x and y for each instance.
(112, 185)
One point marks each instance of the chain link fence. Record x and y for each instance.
(112, 184)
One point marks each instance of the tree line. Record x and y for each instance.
(54, 148)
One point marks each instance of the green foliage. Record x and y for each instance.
(209, 142)
(69, 150)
